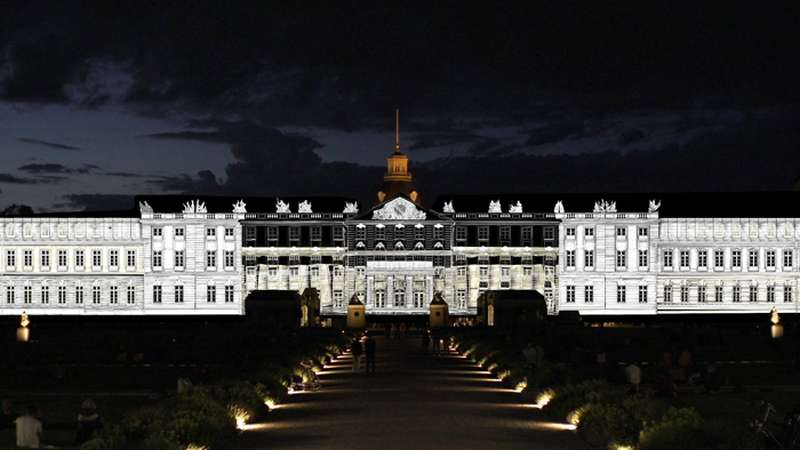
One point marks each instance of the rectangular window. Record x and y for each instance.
(668, 293)
(272, 234)
(131, 295)
(157, 259)
(461, 298)
(771, 259)
(753, 259)
(211, 259)
(419, 233)
(643, 232)
(338, 299)
(718, 294)
(11, 258)
(96, 295)
(505, 235)
(228, 232)
(27, 295)
(113, 258)
(316, 234)
(314, 271)
(338, 233)
(44, 257)
(668, 259)
(788, 259)
(571, 258)
(719, 259)
(588, 294)
(771, 294)
(620, 294)
(736, 258)
(79, 258)
(113, 295)
(684, 259)
(643, 260)
(526, 235)
(549, 233)
(701, 294)
(211, 232)
(380, 298)
(157, 291)
(45, 295)
(229, 258)
(62, 295)
(588, 258)
(642, 294)
(131, 258)
(737, 294)
(570, 231)
(570, 294)
(684, 294)
(272, 272)
(78, 295)
(622, 231)
(702, 258)
(179, 259)
(294, 233)
(399, 298)
(753, 294)
(621, 257)
(588, 232)
(10, 295)
(483, 271)
(211, 294)
(179, 294)
(157, 232)
(787, 294)
(180, 232)
(27, 258)
(380, 233)
(294, 271)
(97, 260)
(483, 233)
(461, 233)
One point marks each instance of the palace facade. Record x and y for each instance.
(613, 254)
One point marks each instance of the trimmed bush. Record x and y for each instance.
(679, 428)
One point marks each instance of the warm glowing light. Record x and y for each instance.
(240, 415)
(623, 447)
(196, 447)
(575, 416)
(521, 386)
(270, 402)
(544, 398)
(556, 426)
(491, 367)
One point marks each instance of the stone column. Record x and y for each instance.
(369, 301)
(428, 291)
(409, 291)
(389, 298)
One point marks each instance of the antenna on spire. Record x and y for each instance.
(397, 130)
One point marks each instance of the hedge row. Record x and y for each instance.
(205, 417)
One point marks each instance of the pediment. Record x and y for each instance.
(399, 209)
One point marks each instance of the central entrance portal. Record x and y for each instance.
(399, 288)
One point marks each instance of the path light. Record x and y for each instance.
(196, 447)
(270, 402)
(240, 415)
(23, 333)
(574, 418)
(623, 447)
(521, 385)
(491, 367)
(544, 398)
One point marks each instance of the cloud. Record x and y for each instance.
(13, 179)
(44, 168)
(124, 174)
(48, 144)
(96, 202)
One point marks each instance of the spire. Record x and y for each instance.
(397, 130)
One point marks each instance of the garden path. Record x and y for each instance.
(414, 401)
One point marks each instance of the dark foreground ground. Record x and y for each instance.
(415, 401)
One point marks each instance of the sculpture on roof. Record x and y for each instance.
(240, 207)
(517, 208)
(282, 207)
(194, 206)
(653, 206)
(304, 207)
(494, 206)
(145, 208)
(350, 208)
(559, 209)
(605, 206)
(448, 207)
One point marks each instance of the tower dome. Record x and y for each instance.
(397, 179)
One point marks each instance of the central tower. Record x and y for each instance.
(397, 179)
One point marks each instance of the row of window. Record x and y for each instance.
(180, 232)
(417, 233)
(620, 232)
(718, 258)
(229, 259)
(703, 294)
(62, 258)
(526, 235)
(294, 233)
(113, 294)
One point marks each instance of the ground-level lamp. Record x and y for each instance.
(23, 333)
(777, 326)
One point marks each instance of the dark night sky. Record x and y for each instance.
(103, 100)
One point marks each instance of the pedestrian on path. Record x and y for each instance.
(29, 429)
(369, 345)
(356, 350)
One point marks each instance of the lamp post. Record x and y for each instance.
(777, 326)
(23, 333)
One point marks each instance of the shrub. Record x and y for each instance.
(239, 394)
(571, 397)
(608, 423)
(679, 428)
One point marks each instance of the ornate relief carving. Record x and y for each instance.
(399, 209)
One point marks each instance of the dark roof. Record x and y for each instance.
(673, 204)
(224, 204)
(355, 301)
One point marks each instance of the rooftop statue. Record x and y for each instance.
(494, 207)
(448, 207)
(145, 208)
(653, 206)
(515, 208)
(194, 206)
(350, 208)
(559, 209)
(240, 207)
(604, 206)
(282, 207)
(304, 207)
